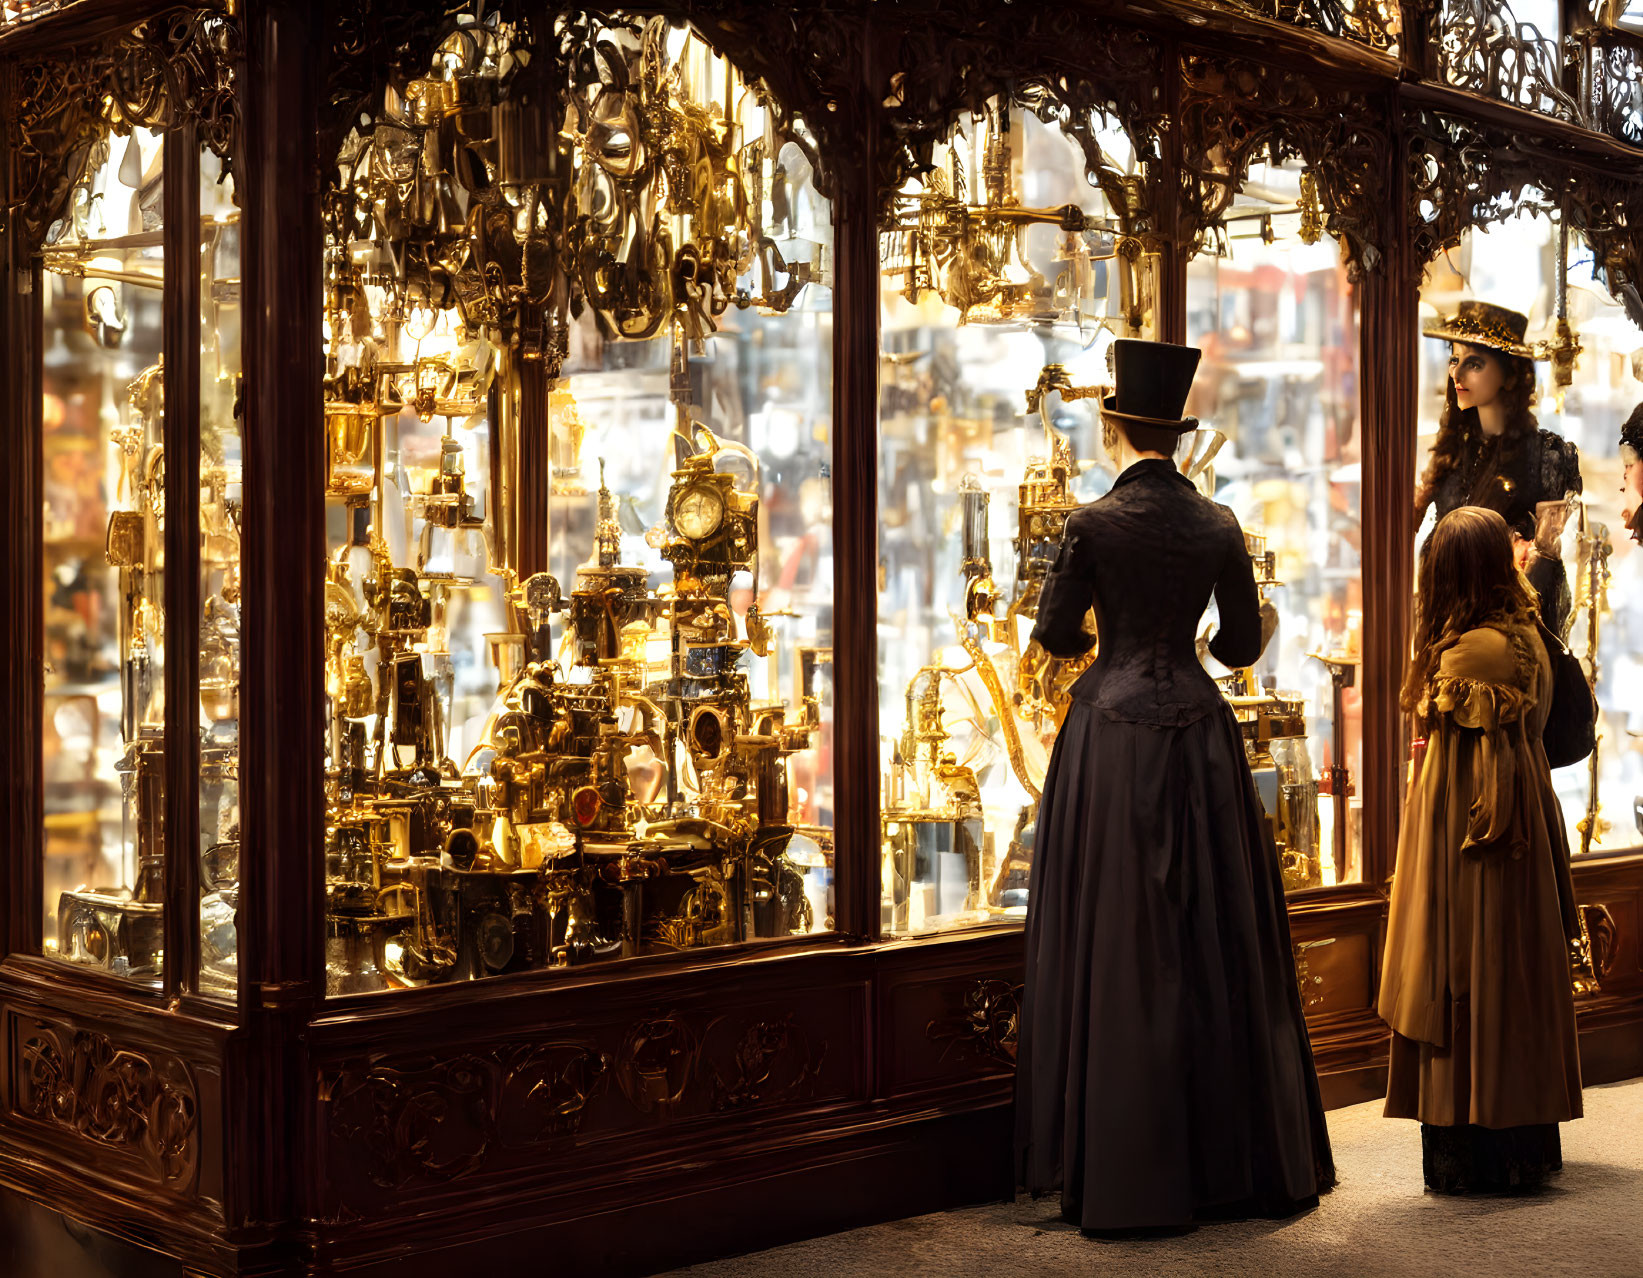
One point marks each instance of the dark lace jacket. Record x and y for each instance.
(1546, 468)
(1147, 557)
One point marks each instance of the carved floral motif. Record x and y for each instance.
(774, 1060)
(657, 1062)
(429, 1120)
(141, 1102)
(158, 73)
(412, 1121)
(986, 1023)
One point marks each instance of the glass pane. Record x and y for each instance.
(621, 748)
(1272, 307)
(220, 497)
(103, 573)
(1592, 561)
(993, 311)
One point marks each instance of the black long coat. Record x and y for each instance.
(1164, 1072)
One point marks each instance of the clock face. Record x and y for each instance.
(698, 511)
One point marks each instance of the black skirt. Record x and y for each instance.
(1164, 1073)
(1504, 1160)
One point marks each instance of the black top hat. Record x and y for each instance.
(1151, 381)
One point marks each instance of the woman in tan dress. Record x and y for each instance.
(1476, 977)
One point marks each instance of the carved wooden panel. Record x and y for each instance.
(1610, 951)
(417, 1120)
(132, 1110)
(944, 1022)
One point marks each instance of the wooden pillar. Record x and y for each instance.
(531, 505)
(1389, 338)
(1175, 248)
(282, 762)
(180, 338)
(22, 687)
(855, 528)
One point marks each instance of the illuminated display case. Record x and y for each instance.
(523, 531)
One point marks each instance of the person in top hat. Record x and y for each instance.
(1164, 1073)
(1490, 453)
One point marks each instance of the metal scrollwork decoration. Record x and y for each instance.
(167, 69)
(1483, 48)
(1105, 76)
(1463, 174)
(1612, 80)
(1234, 112)
(1370, 23)
(143, 1103)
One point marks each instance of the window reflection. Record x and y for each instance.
(998, 304)
(104, 679)
(578, 633)
(221, 489)
(1275, 313)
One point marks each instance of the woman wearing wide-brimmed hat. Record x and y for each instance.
(1490, 452)
(1164, 1074)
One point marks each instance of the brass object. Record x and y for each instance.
(1592, 594)
(933, 800)
(970, 253)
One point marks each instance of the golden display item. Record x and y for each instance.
(1026, 706)
(1592, 594)
(970, 255)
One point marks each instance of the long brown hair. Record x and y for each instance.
(1468, 576)
(1458, 429)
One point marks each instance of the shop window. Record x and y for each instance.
(221, 496)
(1515, 264)
(1271, 303)
(578, 635)
(1006, 276)
(103, 571)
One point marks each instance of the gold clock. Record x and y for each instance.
(698, 511)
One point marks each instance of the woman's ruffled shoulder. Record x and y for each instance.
(1484, 680)
(1471, 703)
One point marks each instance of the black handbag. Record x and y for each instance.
(1571, 725)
